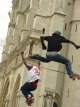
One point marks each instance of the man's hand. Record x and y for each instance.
(77, 47)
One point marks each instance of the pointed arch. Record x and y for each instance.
(15, 91)
(57, 100)
(51, 98)
(4, 93)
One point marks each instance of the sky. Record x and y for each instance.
(5, 7)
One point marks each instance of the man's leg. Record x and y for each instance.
(59, 58)
(40, 58)
(26, 88)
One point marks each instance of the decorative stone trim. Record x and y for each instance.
(15, 3)
(49, 16)
(50, 92)
(24, 30)
(72, 21)
(4, 53)
(20, 12)
(11, 25)
(11, 44)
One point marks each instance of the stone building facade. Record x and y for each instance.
(27, 19)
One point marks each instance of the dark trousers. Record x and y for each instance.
(57, 58)
(27, 88)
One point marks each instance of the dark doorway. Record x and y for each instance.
(55, 104)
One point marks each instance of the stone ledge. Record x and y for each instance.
(58, 13)
(72, 21)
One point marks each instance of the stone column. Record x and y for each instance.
(18, 28)
(57, 23)
(30, 14)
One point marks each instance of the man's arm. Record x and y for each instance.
(71, 42)
(24, 61)
(76, 46)
(42, 38)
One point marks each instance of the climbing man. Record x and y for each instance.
(54, 46)
(33, 79)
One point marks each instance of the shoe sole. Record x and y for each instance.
(78, 77)
(29, 101)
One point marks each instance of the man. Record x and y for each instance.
(54, 46)
(33, 79)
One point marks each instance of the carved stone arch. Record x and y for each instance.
(51, 99)
(57, 101)
(15, 91)
(4, 93)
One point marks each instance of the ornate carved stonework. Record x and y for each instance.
(60, 7)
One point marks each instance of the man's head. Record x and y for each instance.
(56, 33)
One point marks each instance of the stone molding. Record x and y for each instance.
(11, 25)
(23, 12)
(72, 21)
(15, 3)
(49, 16)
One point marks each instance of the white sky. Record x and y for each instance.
(5, 6)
